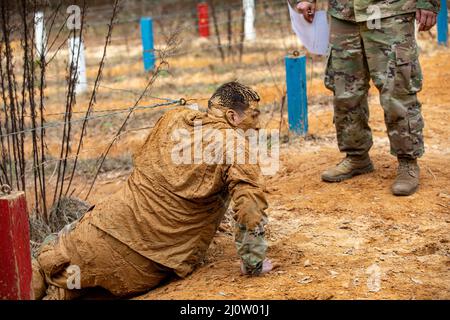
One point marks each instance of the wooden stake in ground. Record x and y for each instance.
(15, 256)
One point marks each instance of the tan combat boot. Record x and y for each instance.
(349, 167)
(407, 180)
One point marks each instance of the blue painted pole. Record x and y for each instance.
(147, 43)
(442, 24)
(296, 94)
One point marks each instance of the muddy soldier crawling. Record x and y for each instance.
(375, 40)
(161, 222)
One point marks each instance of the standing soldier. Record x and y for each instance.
(375, 40)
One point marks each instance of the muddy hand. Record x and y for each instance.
(426, 19)
(267, 267)
(307, 9)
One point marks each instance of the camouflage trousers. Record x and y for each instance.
(389, 56)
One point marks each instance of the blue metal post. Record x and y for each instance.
(442, 24)
(147, 43)
(296, 94)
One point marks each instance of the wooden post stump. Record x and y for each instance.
(15, 256)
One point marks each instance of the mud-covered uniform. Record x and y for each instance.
(163, 219)
(388, 54)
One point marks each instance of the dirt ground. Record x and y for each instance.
(352, 240)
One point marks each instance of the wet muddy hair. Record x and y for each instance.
(233, 95)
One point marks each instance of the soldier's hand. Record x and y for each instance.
(426, 19)
(267, 267)
(307, 9)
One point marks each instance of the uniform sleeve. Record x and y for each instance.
(246, 190)
(432, 5)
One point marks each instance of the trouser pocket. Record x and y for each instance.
(408, 74)
(416, 125)
(329, 72)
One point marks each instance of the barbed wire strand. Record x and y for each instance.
(114, 113)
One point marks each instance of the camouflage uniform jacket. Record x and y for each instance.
(364, 10)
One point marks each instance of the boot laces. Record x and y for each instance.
(346, 162)
(407, 167)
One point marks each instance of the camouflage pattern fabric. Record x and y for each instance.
(251, 247)
(365, 10)
(388, 56)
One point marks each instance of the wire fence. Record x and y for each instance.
(191, 13)
(109, 113)
(189, 27)
(272, 44)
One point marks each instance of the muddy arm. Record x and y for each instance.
(249, 213)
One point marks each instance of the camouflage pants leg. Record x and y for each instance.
(389, 57)
(392, 56)
(347, 75)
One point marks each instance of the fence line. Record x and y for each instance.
(222, 22)
(111, 114)
(100, 145)
(194, 12)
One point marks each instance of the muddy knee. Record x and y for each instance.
(38, 280)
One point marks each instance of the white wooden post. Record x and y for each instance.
(74, 44)
(40, 38)
(249, 25)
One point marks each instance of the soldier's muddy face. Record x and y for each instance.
(249, 119)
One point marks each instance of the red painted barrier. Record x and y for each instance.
(203, 19)
(15, 257)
